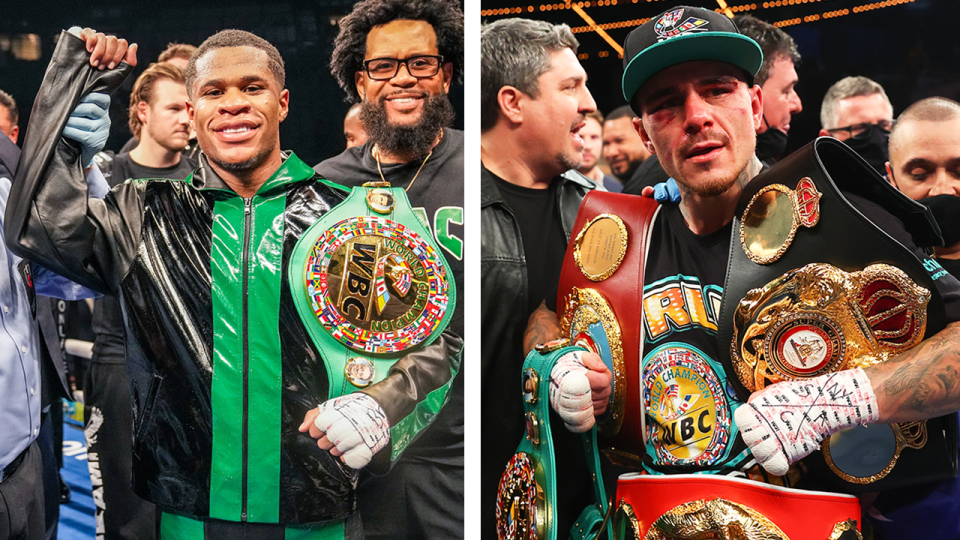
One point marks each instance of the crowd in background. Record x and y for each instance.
(545, 145)
(398, 129)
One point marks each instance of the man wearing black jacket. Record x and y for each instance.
(407, 114)
(226, 368)
(534, 99)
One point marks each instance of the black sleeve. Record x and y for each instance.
(946, 283)
(49, 218)
(649, 173)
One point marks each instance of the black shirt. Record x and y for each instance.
(544, 243)
(118, 168)
(685, 391)
(950, 265)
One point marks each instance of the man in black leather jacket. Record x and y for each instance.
(202, 267)
(531, 112)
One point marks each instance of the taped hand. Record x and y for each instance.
(354, 427)
(579, 389)
(786, 422)
(89, 125)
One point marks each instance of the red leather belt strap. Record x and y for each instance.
(799, 514)
(623, 290)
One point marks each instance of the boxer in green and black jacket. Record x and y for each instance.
(223, 371)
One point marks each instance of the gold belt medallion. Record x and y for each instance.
(589, 321)
(600, 246)
(521, 503)
(819, 319)
(773, 216)
(716, 519)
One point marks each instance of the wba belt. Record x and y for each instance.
(710, 506)
(813, 286)
(369, 284)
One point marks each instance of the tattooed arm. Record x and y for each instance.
(542, 326)
(787, 421)
(921, 383)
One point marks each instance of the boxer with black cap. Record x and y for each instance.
(688, 74)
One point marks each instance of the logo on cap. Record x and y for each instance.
(668, 27)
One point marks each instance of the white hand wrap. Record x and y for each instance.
(356, 425)
(787, 421)
(570, 392)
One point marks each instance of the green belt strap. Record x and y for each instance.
(591, 518)
(176, 527)
(335, 354)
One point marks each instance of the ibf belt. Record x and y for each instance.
(369, 284)
(814, 287)
(654, 507)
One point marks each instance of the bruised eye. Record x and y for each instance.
(668, 103)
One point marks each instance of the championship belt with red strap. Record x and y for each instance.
(601, 286)
(654, 507)
(813, 286)
(598, 302)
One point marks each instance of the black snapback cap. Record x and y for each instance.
(683, 34)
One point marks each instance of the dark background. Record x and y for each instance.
(303, 32)
(912, 48)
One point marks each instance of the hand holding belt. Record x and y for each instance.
(527, 498)
(814, 287)
(601, 287)
(579, 389)
(355, 425)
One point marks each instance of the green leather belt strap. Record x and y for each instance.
(538, 443)
(178, 527)
(336, 355)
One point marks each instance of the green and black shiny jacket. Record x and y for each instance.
(221, 366)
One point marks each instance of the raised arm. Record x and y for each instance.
(49, 218)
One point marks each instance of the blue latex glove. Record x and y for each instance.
(666, 191)
(89, 125)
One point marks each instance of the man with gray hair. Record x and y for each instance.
(533, 104)
(858, 112)
(9, 116)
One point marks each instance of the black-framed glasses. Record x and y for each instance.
(421, 66)
(857, 131)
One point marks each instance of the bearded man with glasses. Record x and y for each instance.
(398, 60)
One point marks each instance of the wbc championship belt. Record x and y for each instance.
(369, 284)
(814, 287)
(527, 495)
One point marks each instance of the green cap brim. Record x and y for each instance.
(729, 47)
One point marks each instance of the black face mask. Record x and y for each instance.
(946, 210)
(872, 146)
(771, 144)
